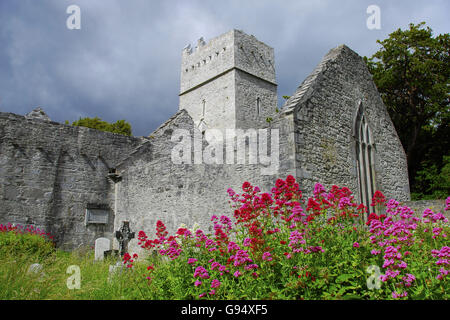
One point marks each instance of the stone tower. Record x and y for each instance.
(228, 82)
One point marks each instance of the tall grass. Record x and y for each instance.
(19, 251)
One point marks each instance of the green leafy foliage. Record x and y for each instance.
(120, 126)
(15, 243)
(412, 73)
(433, 183)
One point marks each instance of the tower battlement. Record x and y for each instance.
(234, 49)
(228, 81)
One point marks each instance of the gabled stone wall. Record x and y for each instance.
(324, 108)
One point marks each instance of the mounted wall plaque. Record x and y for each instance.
(97, 214)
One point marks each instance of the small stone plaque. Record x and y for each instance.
(97, 216)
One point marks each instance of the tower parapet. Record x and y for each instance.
(228, 82)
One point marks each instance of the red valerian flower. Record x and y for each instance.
(313, 205)
(279, 183)
(267, 256)
(290, 180)
(181, 231)
(161, 229)
(362, 209)
(247, 187)
(127, 259)
(378, 198)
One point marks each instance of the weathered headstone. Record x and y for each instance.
(115, 270)
(34, 268)
(101, 245)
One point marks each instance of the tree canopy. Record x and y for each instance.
(411, 71)
(120, 126)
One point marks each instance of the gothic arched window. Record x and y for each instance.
(365, 158)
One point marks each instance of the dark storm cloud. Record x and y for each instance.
(124, 63)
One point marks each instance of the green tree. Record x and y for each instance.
(120, 126)
(431, 182)
(411, 71)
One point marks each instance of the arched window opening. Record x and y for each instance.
(365, 159)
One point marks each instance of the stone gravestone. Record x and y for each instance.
(36, 268)
(124, 235)
(101, 245)
(115, 270)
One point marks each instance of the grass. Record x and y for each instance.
(16, 283)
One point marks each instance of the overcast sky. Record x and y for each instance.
(124, 62)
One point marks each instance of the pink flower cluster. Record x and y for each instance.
(267, 256)
(173, 250)
(443, 254)
(240, 258)
(430, 217)
(297, 240)
(201, 272)
(394, 235)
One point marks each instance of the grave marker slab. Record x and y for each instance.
(101, 245)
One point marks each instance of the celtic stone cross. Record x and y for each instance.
(124, 235)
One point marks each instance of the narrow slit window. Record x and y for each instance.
(258, 106)
(203, 108)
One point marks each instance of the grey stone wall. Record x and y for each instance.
(254, 57)
(153, 188)
(324, 109)
(420, 205)
(248, 89)
(50, 173)
(218, 95)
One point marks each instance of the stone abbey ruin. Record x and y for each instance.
(80, 184)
